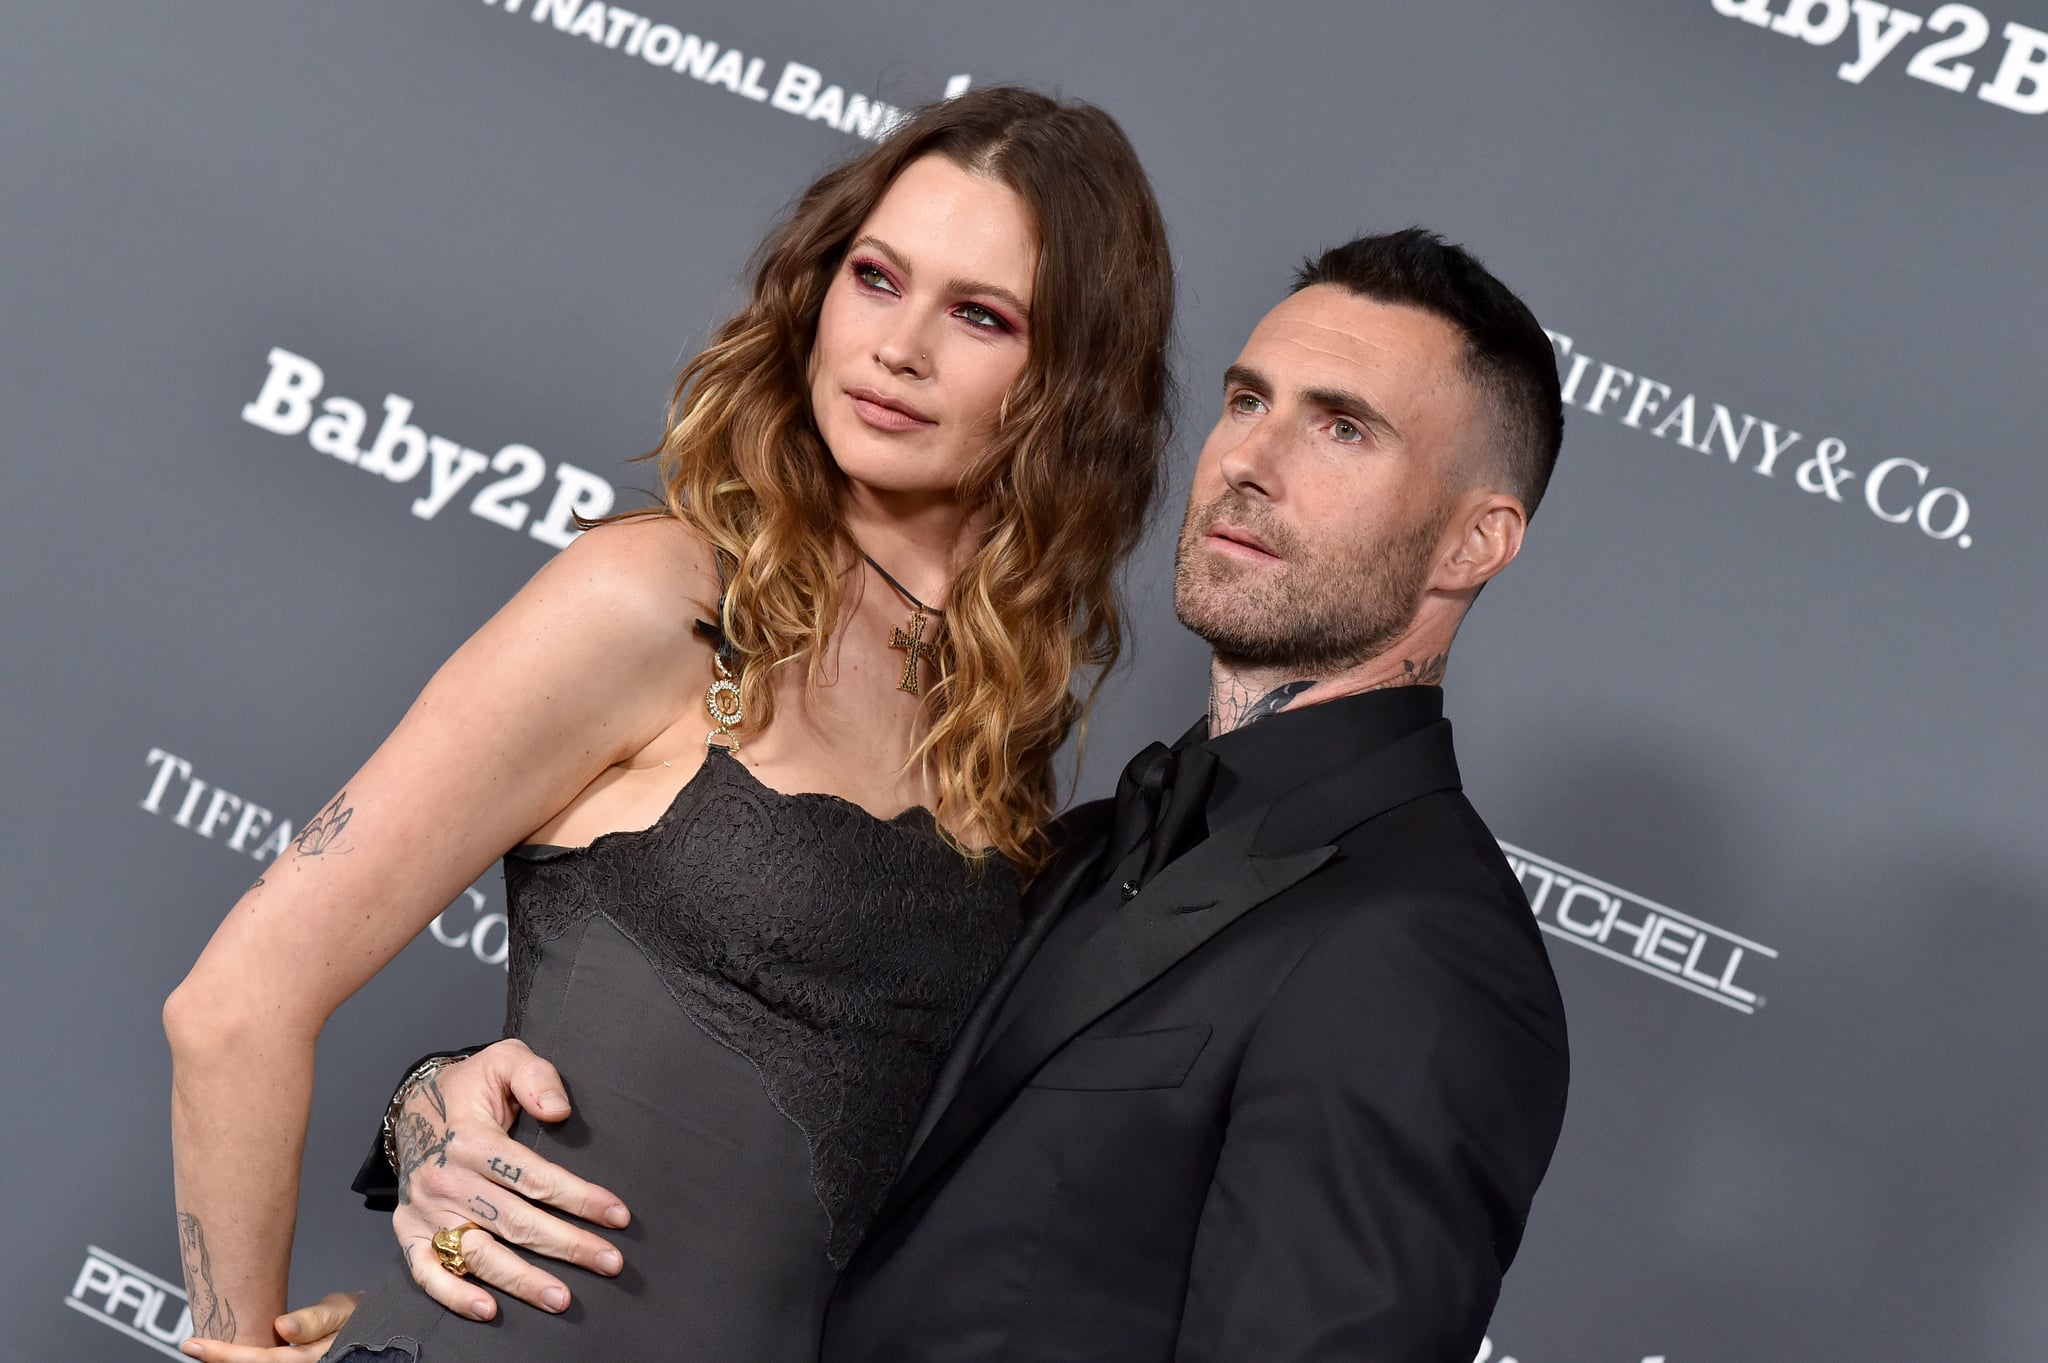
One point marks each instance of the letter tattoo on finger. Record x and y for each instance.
(506, 1170)
(483, 1208)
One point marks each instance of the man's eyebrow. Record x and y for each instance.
(1244, 376)
(1352, 405)
(1329, 399)
(969, 286)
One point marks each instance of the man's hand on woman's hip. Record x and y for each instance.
(455, 1164)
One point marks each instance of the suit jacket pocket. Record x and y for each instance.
(1140, 1060)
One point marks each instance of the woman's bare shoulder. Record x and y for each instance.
(632, 586)
(654, 564)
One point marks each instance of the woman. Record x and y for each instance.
(750, 947)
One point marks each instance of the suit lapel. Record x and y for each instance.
(1239, 867)
(1188, 903)
(1071, 875)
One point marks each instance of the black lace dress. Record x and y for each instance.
(749, 1001)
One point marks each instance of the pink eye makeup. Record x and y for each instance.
(982, 317)
(872, 277)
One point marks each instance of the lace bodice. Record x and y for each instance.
(837, 952)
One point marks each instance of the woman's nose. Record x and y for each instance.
(906, 351)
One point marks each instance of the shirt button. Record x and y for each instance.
(1130, 889)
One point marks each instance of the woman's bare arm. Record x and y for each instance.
(579, 671)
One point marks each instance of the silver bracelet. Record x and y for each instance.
(417, 1075)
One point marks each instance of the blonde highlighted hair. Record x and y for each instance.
(1063, 486)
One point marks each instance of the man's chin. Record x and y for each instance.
(1234, 634)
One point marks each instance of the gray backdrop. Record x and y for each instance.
(1758, 712)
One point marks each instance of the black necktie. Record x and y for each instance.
(1139, 793)
(1163, 793)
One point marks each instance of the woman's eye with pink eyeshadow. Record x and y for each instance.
(985, 318)
(872, 276)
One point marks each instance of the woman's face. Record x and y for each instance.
(924, 329)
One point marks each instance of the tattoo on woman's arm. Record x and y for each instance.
(212, 1317)
(323, 831)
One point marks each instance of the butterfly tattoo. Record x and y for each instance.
(324, 829)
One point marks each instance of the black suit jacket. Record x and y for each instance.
(1291, 1103)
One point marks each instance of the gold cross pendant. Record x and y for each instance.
(914, 648)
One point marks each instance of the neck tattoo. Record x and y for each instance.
(1428, 672)
(911, 641)
(1232, 704)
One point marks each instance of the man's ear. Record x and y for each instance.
(1485, 535)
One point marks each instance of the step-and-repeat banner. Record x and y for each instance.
(321, 323)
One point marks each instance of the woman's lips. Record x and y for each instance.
(884, 413)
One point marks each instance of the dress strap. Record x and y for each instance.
(723, 699)
(714, 630)
(728, 658)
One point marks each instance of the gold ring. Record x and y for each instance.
(448, 1248)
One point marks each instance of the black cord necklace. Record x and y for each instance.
(912, 642)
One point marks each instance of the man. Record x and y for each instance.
(1279, 1063)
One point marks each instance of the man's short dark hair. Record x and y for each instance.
(1507, 356)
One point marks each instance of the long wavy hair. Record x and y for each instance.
(1063, 486)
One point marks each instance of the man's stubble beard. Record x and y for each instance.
(1320, 613)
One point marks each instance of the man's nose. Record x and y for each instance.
(1253, 465)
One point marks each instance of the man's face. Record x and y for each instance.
(1322, 502)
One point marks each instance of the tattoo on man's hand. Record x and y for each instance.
(483, 1208)
(509, 1172)
(324, 829)
(418, 1142)
(212, 1317)
(432, 1089)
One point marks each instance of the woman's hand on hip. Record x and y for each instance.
(456, 1165)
